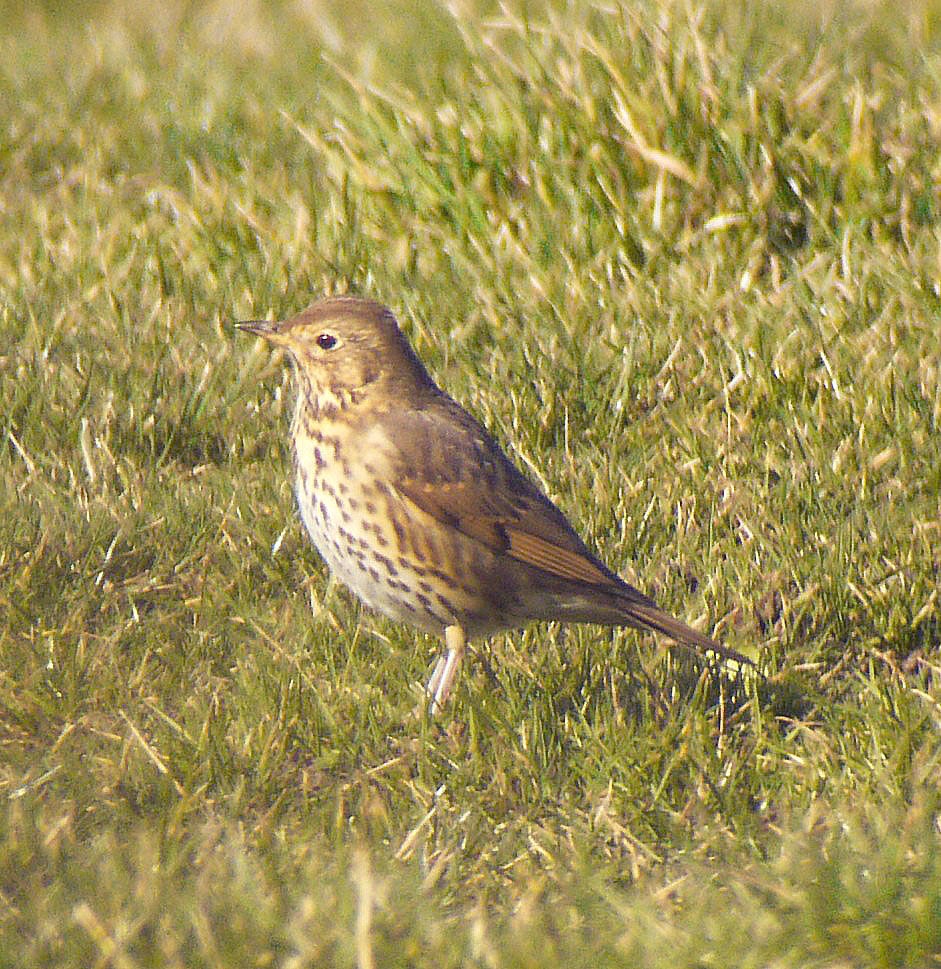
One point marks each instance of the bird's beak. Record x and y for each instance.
(264, 328)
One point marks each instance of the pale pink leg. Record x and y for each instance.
(435, 679)
(446, 669)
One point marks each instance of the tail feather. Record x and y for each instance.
(659, 621)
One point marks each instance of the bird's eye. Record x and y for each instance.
(326, 341)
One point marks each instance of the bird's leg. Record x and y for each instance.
(432, 687)
(446, 669)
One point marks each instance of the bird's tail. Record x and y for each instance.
(650, 617)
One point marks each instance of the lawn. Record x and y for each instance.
(684, 261)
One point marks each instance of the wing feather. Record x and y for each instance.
(551, 557)
(454, 471)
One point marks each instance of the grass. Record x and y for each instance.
(684, 261)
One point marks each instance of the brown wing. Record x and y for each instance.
(454, 471)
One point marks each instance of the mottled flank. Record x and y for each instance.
(415, 507)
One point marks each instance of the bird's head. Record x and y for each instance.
(349, 349)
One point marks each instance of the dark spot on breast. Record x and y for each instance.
(431, 545)
(387, 564)
(449, 582)
(409, 566)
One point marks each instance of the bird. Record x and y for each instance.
(415, 507)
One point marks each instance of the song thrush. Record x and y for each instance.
(415, 507)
